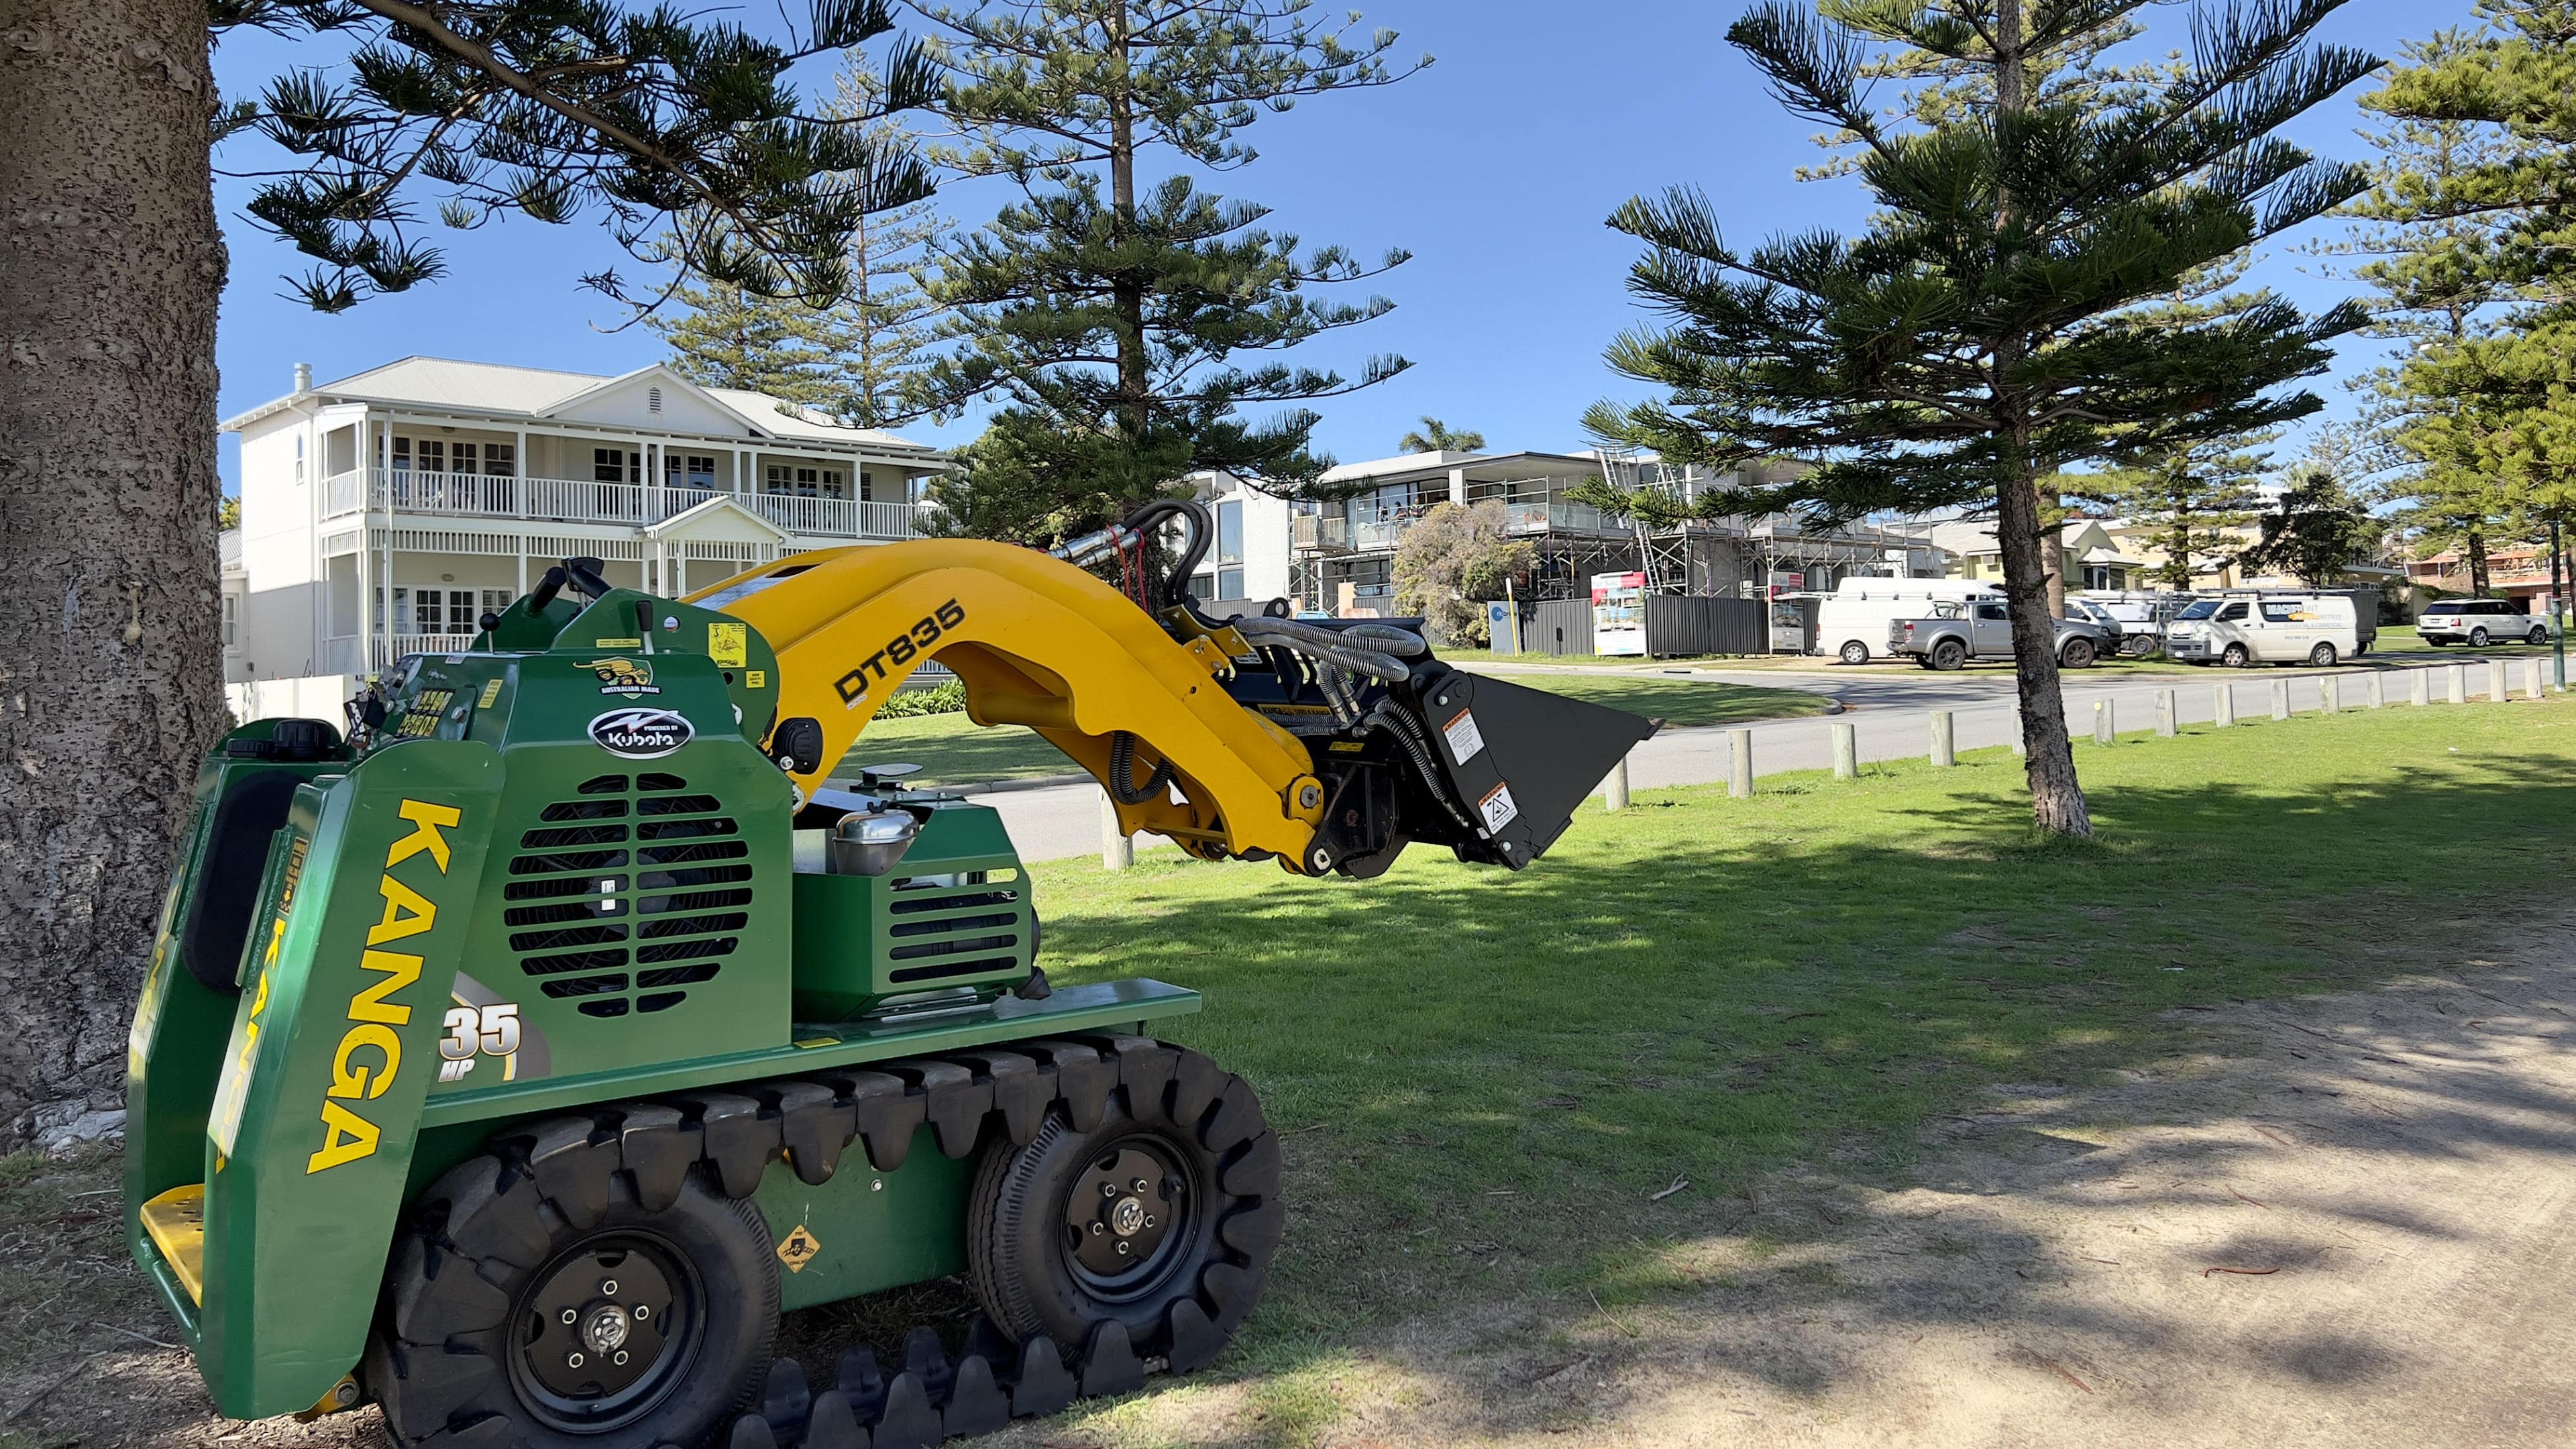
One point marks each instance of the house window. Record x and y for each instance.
(501, 460)
(466, 458)
(433, 455)
(1229, 583)
(232, 618)
(608, 465)
(696, 470)
(1202, 586)
(402, 454)
(1229, 536)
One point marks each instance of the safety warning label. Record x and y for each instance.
(1498, 808)
(1464, 738)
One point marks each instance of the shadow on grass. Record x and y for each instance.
(1483, 1080)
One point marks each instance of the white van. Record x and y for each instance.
(1851, 622)
(2270, 628)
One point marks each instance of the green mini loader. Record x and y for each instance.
(513, 1059)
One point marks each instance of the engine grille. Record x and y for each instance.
(621, 898)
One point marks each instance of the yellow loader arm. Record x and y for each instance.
(1037, 642)
(1329, 744)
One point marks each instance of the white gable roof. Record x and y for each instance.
(718, 519)
(622, 401)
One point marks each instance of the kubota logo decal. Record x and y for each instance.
(899, 651)
(641, 733)
(370, 1054)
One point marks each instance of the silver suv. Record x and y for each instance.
(2478, 623)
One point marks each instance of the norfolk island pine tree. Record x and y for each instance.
(1987, 328)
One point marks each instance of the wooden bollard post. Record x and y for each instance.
(1944, 748)
(2280, 699)
(1614, 789)
(2374, 690)
(2222, 705)
(1117, 847)
(2168, 714)
(1739, 778)
(2497, 693)
(2330, 694)
(2419, 687)
(2531, 687)
(1846, 749)
(2459, 683)
(2105, 722)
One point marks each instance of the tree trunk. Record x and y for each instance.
(2056, 796)
(2052, 545)
(1127, 292)
(111, 661)
(2477, 564)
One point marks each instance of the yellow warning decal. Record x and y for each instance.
(798, 1249)
(729, 644)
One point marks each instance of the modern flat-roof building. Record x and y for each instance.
(383, 513)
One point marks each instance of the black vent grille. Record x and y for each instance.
(622, 896)
(982, 930)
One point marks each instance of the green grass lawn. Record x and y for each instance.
(953, 750)
(1483, 1077)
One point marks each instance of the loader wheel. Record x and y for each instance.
(1161, 1219)
(505, 1323)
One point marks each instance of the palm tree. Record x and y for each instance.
(1434, 437)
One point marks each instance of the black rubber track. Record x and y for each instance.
(481, 1221)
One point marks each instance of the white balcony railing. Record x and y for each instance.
(565, 500)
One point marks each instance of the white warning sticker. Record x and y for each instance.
(1498, 808)
(1464, 738)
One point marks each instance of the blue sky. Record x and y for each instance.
(1495, 168)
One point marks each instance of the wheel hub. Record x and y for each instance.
(1122, 1217)
(606, 1334)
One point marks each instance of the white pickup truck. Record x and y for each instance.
(1982, 629)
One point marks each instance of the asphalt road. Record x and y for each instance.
(1891, 718)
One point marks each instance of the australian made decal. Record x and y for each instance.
(641, 733)
(620, 675)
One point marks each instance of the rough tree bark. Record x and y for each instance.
(2477, 564)
(111, 664)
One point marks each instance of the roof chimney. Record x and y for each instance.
(304, 377)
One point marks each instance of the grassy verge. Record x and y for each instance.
(952, 749)
(1483, 1078)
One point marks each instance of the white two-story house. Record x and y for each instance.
(382, 514)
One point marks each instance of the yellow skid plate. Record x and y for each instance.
(177, 1222)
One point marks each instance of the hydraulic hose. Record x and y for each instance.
(1122, 772)
(1370, 649)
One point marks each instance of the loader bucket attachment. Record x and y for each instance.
(1516, 762)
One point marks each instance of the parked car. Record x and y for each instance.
(1957, 632)
(2270, 628)
(2138, 620)
(1851, 622)
(2478, 623)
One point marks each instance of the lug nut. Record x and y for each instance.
(620, 1360)
(1149, 1220)
(1138, 1185)
(642, 1312)
(572, 1360)
(1109, 1189)
(571, 1315)
(1123, 1249)
(1098, 1228)
(607, 1287)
